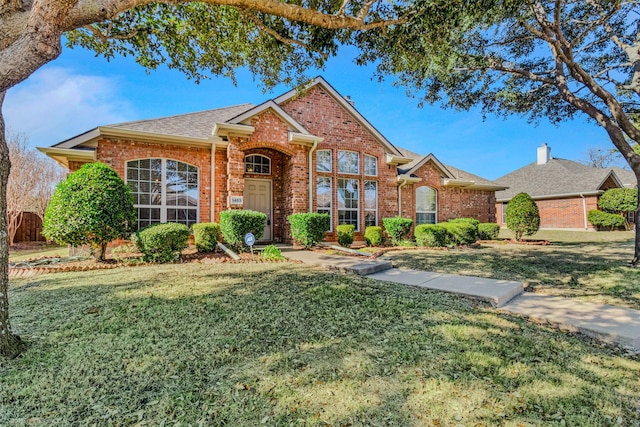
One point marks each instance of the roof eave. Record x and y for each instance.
(304, 139)
(231, 129)
(471, 185)
(408, 179)
(65, 155)
(391, 159)
(557, 196)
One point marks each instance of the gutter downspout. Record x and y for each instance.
(584, 211)
(404, 182)
(313, 148)
(212, 185)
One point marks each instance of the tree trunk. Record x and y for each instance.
(102, 252)
(10, 344)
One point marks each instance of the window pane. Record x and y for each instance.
(257, 163)
(323, 160)
(348, 162)
(425, 218)
(426, 205)
(370, 165)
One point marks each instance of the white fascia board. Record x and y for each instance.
(293, 124)
(559, 196)
(396, 160)
(408, 179)
(107, 131)
(231, 129)
(303, 139)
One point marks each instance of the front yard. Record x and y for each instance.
(283, 344)
(587, 265)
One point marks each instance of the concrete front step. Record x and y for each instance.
(615, 325)
(496, 292)
(361, 266)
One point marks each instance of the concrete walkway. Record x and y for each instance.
(615, 325)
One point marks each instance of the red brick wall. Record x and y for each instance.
(321, 115)
(116, 153)
(560, 213)
(452, 202)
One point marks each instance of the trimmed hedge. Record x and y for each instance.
(523, 217)
(488, 231)
(307, 229)
(345, 234)
(461, 233)
(373, 235)
(601, 219)
(431, 235)
(236, 223)
(469, 221)
(206, 236)
(163, 242)
(397, 228)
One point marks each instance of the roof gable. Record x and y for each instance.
(246, 116)
(344, 103)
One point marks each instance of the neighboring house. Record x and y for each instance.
(564, 190)
(303, 151)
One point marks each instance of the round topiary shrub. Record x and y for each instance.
(605, 220)
(468, 221)
(206, 236)
(460, 233)
(236, 223)
(397, 228)
(92, 206)
(163, 242)
(373, 235)
(307, 229)
(488, 231)
(523, 217)
(345, 234)
(431, 235)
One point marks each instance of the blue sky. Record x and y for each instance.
(79, 91)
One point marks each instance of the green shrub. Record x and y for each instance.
(618, 200)
(307, 229)
(236, 223)
(272, 253)
(460, 233)
(206, 236)
(345, 234)
(373, 235)
(397, 228)
(431, 235)
(523, 217)
(488, 231)
(92, 206)
(605, 220)
(163, 242)
(470, 221)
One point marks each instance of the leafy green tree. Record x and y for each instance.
(542, 59)
(620, 201)
(92, 206)
(277, 40)
(523, 217)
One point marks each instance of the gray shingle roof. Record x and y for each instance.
(195, 125)
(556, 177)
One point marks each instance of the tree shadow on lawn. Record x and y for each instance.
(597, 276)
(287, 345)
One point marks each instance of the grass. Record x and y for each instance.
(37, 251)
(284, 344)
(587, 265)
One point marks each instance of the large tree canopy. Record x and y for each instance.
(548, 59)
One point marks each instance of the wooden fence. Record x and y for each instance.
(30, 230)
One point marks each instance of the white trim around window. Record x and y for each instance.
(323, 160)
(324, 197)
(164, 190)
(426, 205)
(349, 162)
(370, 203)
(370, 165)
(349, 202)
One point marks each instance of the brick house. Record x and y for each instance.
(564, 190)
(303, 151)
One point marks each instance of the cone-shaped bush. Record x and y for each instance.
(523, 217)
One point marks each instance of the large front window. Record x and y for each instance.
(164, 190)
(370, 203)
(323, 196)
(426, 205)
(348, 162)
(348, 197)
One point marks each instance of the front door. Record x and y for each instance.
(257, 197)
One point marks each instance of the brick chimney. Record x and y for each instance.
(544, 154)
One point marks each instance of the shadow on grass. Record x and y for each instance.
(285, 344)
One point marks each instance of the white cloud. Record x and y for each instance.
(55, 104)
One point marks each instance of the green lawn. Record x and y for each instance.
(37, 251)
(284, 344)
(587, 265)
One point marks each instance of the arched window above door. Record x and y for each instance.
(257, 163)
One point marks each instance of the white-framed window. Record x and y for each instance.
(370, 165)
(370, 203)
(348, 162)
(504, 212)
(323, 160)
(164, 190)
(257, 163)
(323, 197)
(426, 205)
(348, 202)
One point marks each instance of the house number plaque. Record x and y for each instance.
(237, 200)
